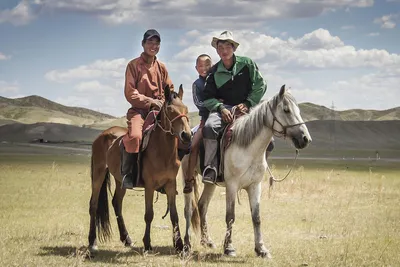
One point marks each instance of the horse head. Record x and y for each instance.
(174, 115)
(287, 120)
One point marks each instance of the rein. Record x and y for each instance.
(170, 131)
(283, 133)
(272, 179)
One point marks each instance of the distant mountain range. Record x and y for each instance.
(33, 109)
(36, 119)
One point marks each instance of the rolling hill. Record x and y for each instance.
(34, 109)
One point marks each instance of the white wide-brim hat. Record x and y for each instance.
(224, 36)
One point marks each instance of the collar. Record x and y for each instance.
(147, 59)
(221, 67)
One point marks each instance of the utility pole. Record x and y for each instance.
(333, 127)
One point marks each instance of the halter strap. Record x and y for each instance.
(170, 131)
(284, 128)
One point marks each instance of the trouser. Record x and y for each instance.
(133, 139)
(212, 127)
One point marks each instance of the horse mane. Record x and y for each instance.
(247, 127)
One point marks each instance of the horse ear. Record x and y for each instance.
(167, 93)
(282, 91)
(180, 93)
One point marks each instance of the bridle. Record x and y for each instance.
(283, 133)
(170, 121)
(284, 128)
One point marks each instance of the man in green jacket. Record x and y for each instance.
(233, 81)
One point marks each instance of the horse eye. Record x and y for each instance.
(286, 110)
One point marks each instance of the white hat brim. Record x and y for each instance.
(216, 39)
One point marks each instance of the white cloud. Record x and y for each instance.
(191, 13)
(114, 68)
(348, 27)
(21, 14)
(371, 91)
(8, 88)
(373, 34)
(387, 21)
(316, 66)
(292, 61)
(3, 57)
(315, 50)
(95, 87)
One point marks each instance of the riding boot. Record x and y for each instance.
(128, 170)
(210, 161)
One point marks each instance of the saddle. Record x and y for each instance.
(224, 140)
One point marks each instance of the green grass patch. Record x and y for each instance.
(327, 213)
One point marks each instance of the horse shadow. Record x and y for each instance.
(198, 257)
(102, 255)
(107, 256)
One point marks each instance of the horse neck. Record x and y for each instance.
(163, 140)
(253, 132)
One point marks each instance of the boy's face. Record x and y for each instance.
(203, 65)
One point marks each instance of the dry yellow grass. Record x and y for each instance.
(322, 215)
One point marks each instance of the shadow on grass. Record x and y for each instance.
(101, 255)
(116, 257)
(214, 258)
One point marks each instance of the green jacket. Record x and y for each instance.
(243, 83)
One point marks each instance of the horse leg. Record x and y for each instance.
(117, 204)
(203, 207)
(170, 189)
(254, 193)
(148, 217)
(188, 216)
(231, 192)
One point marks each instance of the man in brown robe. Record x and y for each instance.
(145, 80)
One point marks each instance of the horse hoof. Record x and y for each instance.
(187, 248)
(263, 253)
(127, 241)
(230, 252)
(93, 249)
(179, 245)
(208, 244)
(148, 249)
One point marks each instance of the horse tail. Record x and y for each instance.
(102, 214)
(100, 176)
(195, 220)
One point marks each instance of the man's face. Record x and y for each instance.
(151, 46)
(225, 50)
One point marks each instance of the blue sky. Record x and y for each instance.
(75, 52)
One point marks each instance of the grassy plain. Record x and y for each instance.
(327, 213)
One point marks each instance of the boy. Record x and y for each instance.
(203, 65)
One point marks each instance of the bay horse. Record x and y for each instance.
(160, 164)
(245, 166)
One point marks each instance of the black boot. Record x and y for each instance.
(128, 168)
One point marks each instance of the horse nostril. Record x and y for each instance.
(306, 140)
(185, 137)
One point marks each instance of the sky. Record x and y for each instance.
(336, 53)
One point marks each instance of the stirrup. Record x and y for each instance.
(210, 181)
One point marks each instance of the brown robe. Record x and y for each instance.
(144, 81)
